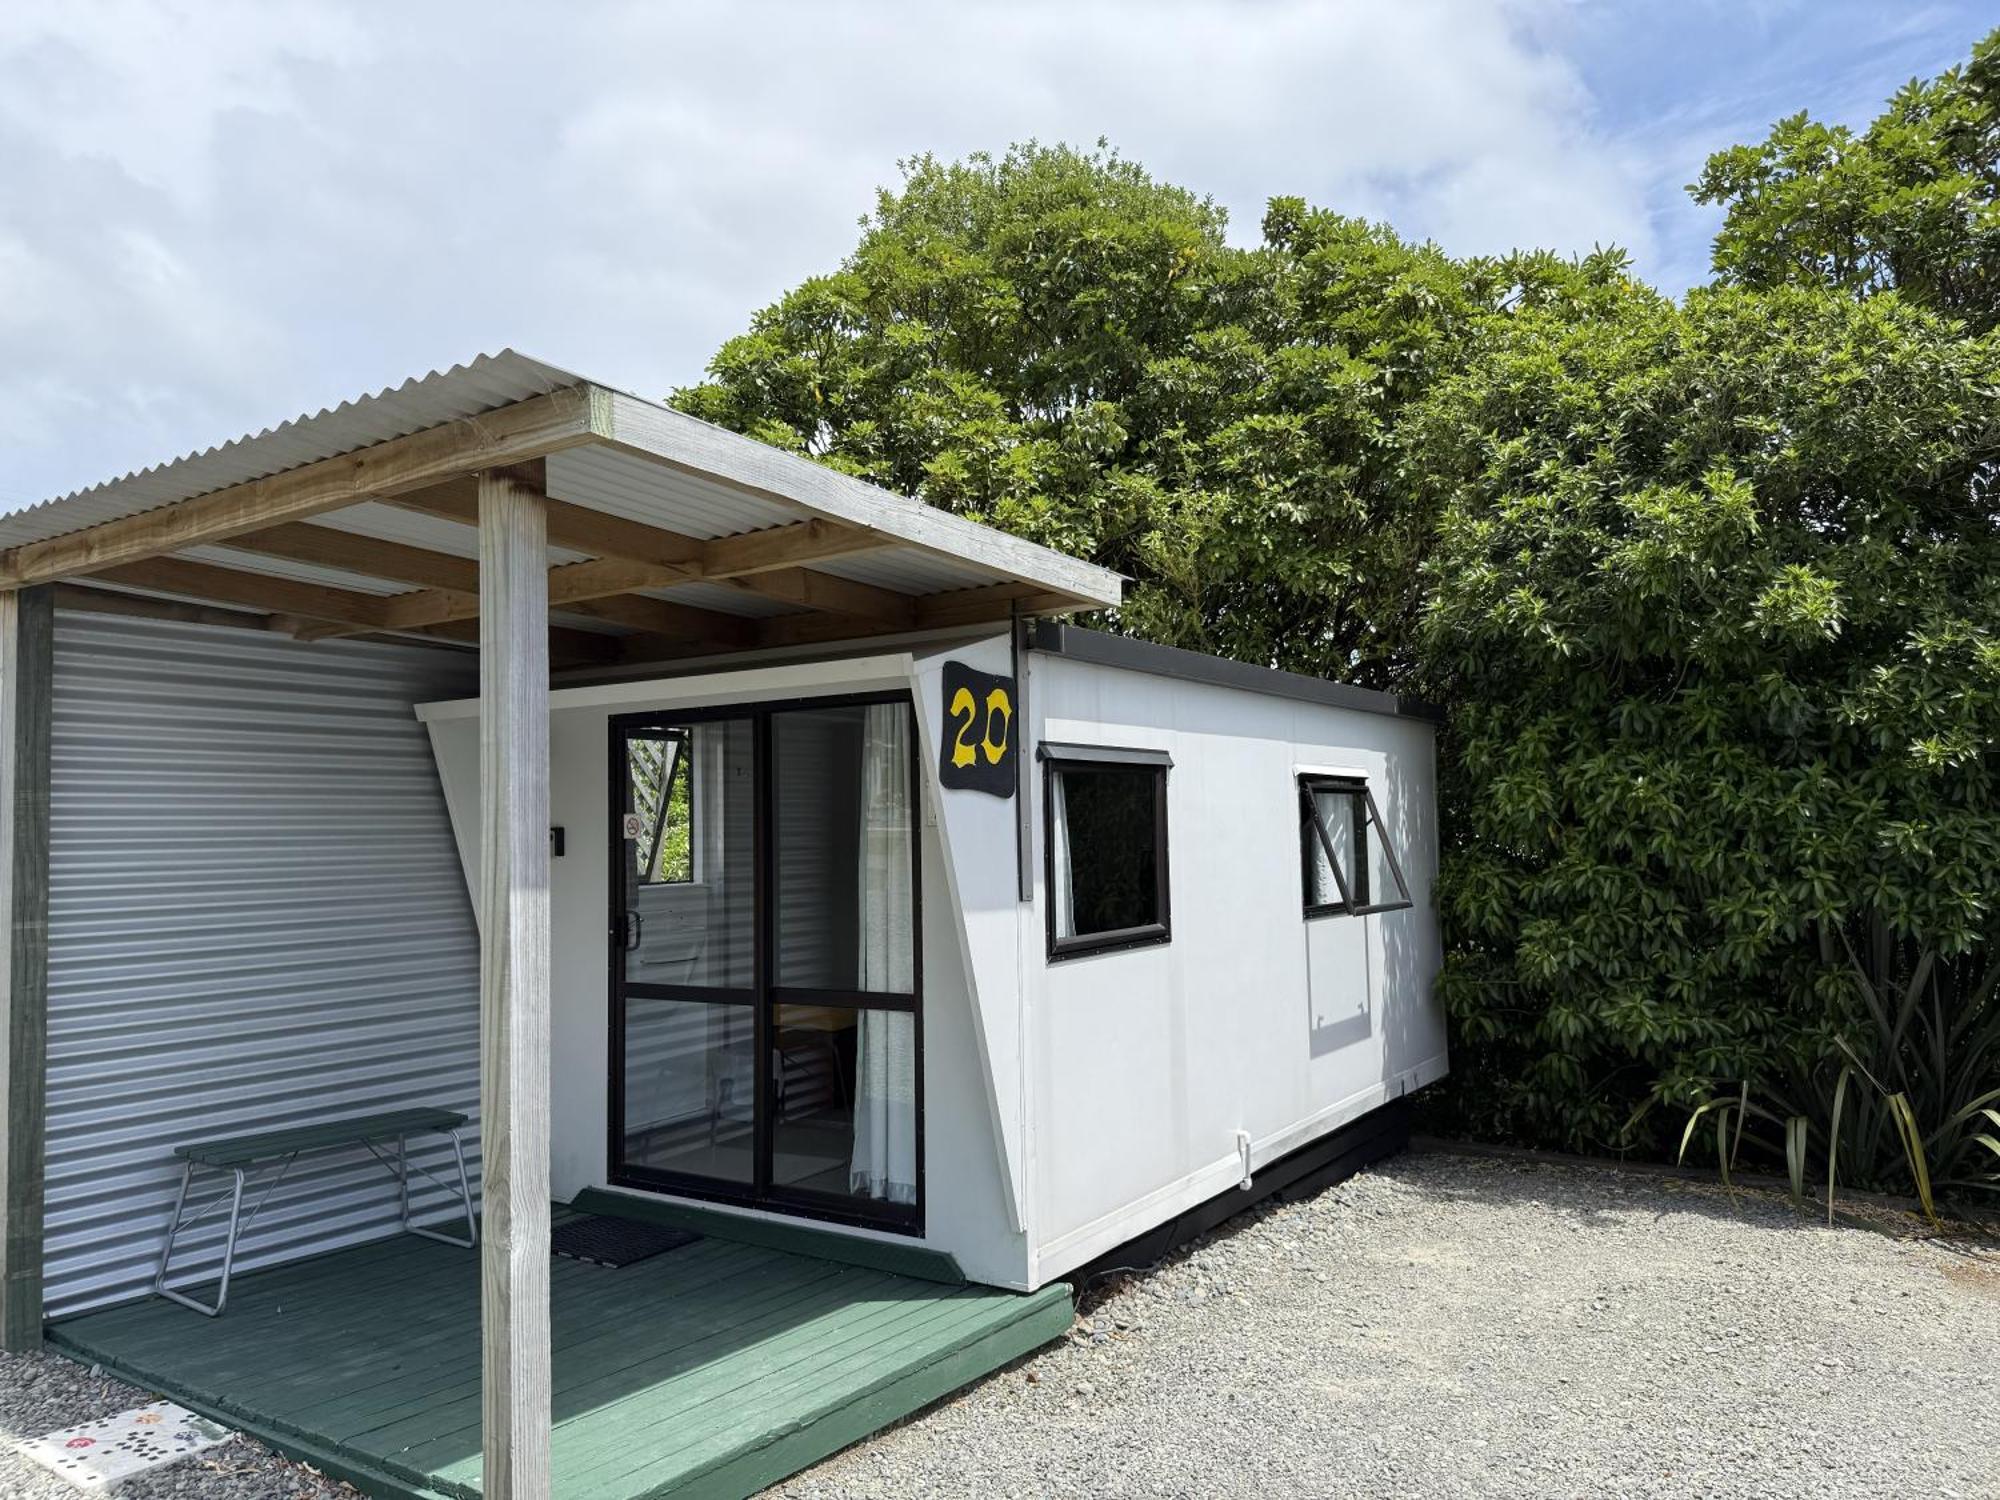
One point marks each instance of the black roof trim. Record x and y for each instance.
(1101, 649)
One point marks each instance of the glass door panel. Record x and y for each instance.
(844, 1102)
(843, 855)
(690, 1081)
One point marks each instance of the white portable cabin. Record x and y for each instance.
(1159, 920)
(817, 876)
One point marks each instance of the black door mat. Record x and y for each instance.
(612, 1242)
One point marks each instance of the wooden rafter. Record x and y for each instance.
(662, 619)
(812, 589)
(630, 557)
(259, 591)
(578, 528)
(87, 600)
(988, 604)
(265, 603)
(569, 585)
(350, 552)
(568, 647)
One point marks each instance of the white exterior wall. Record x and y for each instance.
(965, 1198)
(1143, 1065)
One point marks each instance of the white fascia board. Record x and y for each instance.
(705, 689)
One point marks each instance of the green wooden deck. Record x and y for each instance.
(711, 1370)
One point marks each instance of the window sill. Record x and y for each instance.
(1063, 949)
(1314, 913)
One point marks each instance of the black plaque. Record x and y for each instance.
(976, 750)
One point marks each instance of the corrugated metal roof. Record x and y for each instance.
(640, 490)
(657, 492)
(484, 383)
(390, 523)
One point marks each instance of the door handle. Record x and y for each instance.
(635, 930)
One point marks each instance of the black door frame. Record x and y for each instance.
(765, 995)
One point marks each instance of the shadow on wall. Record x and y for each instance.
(1329, 1035)
(1411, 1031)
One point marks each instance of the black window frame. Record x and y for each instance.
(1058, 759)
(1313, 836)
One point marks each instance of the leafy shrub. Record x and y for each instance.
(1714, 604)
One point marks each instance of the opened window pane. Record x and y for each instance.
(662, 789)
(1348, 860)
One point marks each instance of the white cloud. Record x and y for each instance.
(213, 216)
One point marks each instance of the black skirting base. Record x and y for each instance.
(1310, 1169)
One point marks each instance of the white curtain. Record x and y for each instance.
(885, 1105)
(1061, 896)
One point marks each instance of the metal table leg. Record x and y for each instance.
(464, 1193)
(228, 1246)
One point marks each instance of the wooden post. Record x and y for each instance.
(514, 983)
(27, 669)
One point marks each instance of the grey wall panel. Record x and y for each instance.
(257, 919)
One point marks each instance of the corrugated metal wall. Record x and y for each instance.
(257, 919)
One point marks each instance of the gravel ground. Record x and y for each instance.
(1441, 1326)
(1459, 1326)
(44, 1392)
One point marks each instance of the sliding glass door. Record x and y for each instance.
(766, 1030)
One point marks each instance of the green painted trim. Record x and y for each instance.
(378, 1483)
(794, 1236)
(819, 1434)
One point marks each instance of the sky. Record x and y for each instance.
(215, 215)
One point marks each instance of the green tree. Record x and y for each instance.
(1912, 202)
(1053, 342)
(1714, 607)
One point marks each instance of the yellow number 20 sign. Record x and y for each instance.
(977, 746)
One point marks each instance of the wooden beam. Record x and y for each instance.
(997, 601)
(513, 434)
(663, 618)
(840, 596)
(985, 605)
(787, 546)
(77, 596)
(567, 647)
(514, 989)
(368, 556)
(27, 674)
(286, 596)
(578, 528)
(569, 587)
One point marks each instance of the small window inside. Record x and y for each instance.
(1350, 866)
(1107, 850)
(662, 772)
